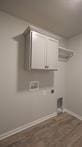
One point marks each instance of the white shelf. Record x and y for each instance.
(64, 54)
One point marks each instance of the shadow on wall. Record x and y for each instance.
(45, 78)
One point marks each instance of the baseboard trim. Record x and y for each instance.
(73, 114)
(29, 125)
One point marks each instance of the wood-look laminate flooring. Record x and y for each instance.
(63, 130)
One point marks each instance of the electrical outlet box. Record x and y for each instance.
(33, 85)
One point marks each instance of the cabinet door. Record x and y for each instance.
(51, 54)
(38, 51)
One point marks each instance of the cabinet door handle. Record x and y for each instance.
(46, 66)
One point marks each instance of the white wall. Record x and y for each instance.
(17, 105)
(60, 81)
(74, 76)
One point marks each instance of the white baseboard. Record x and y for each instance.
(31, 124)
(73, 114)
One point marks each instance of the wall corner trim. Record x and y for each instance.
(73, 114)
(26, 126)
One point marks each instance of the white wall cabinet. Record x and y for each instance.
(52, 53)
(41, 51)
(38, 51)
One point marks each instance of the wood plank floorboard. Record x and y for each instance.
(63, 130)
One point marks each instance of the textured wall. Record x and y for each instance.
(17, 105)
(74, 76)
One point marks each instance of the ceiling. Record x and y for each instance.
(62, 17)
